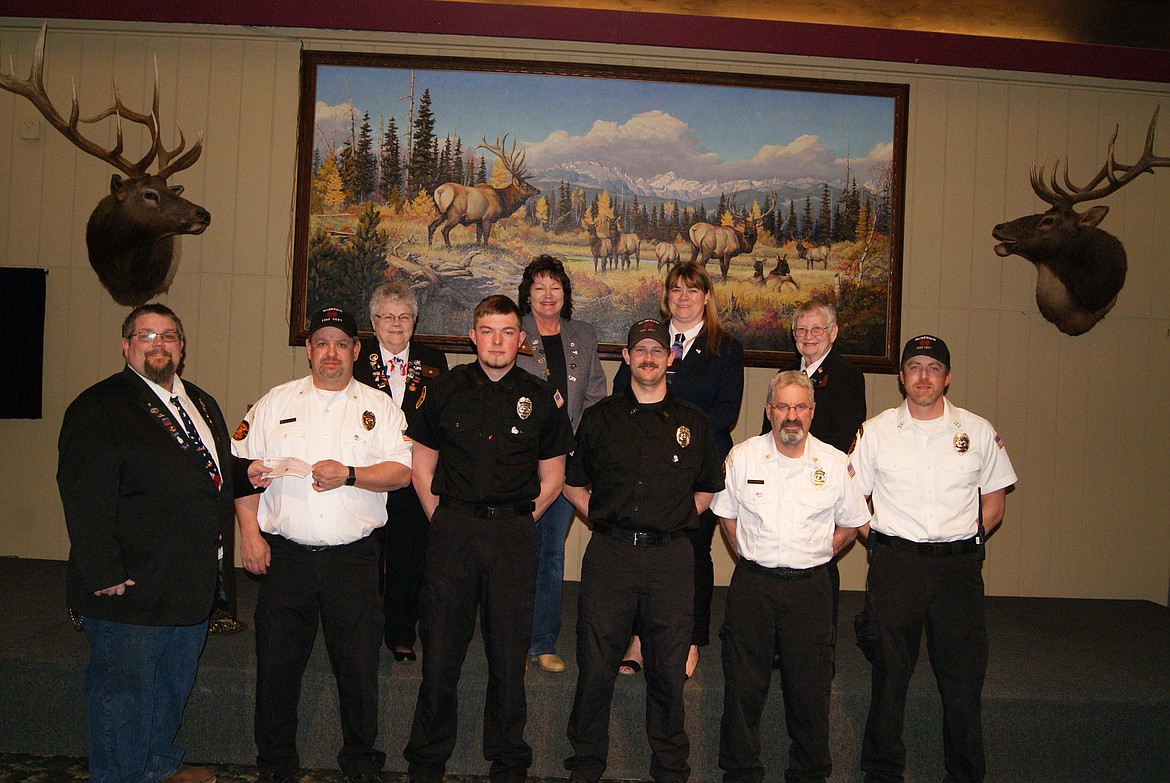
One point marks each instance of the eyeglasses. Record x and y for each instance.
(389, 318)
(815, 331)
(150, 337)
(783, 407)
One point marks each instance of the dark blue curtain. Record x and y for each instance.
(22, 351)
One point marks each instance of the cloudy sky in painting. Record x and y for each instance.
(646, 129)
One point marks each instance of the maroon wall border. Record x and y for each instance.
(623, 27)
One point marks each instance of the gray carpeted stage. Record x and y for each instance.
(1078, 690)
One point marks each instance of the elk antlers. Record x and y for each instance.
(513, 161)
(742, 217)
(1059, 196)
(33, 88)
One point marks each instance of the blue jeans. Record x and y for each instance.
(551, 530)
(136, 688)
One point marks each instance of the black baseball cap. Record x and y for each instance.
(336, 317)
(648, 328)
(927, 345)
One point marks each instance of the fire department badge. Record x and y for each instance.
(368, 420)
(524, 407)
(962, 442)
(683, 436)
(818, 478)
(241, 431)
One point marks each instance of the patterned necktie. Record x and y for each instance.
(677, 348)
(197, 441)
(399, 365)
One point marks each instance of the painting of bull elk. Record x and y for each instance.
(452, 174)
(131, 234)
(1080, 269)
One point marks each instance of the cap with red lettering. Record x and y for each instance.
(335, 317)
(648, 329)
(927, 345)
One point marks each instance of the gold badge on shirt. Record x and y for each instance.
(368, 420)
(962, 442)
(683, 436)
(818, 477)
(524, 407)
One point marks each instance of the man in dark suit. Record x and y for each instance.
(840, 387)
(396, 364)
(147, 478)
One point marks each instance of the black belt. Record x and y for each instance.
(637, 537)
(926, 548)
(313, 547)
(484, 511)
(780, 572)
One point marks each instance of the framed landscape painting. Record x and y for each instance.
(453, 174)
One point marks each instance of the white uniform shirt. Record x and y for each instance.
(688, 336)
(786, 509)
(357, 426)
(925, 480)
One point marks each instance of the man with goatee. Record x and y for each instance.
(147, 479)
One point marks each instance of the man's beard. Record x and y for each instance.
(159, 373)
(790, 437)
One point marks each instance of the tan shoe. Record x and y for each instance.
(550, 662)
(185, 774)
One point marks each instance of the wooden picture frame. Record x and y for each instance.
(648, 151)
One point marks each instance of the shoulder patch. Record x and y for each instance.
(856, 438)
(241, 431)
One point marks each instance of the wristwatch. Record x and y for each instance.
(351, 479)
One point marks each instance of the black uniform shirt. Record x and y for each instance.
(645, 462)
(490, 435)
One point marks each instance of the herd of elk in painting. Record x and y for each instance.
(458, 203)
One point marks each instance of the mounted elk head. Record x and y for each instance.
(1080, 269)
(130, 235)
(726, 242)
(482, 205)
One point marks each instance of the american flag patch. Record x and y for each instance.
(852, 472)
(998, 440)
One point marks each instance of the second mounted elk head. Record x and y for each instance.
(1080, 268)
(131, 233)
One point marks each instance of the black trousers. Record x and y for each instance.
(701, 538)
(620, 585)
(404, 552)
(338, 586)
(489, 564)
(795, 618)
(906, 594)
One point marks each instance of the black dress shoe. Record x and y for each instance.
(365, 777)
(405, 656)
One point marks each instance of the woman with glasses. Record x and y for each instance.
(393, 361)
